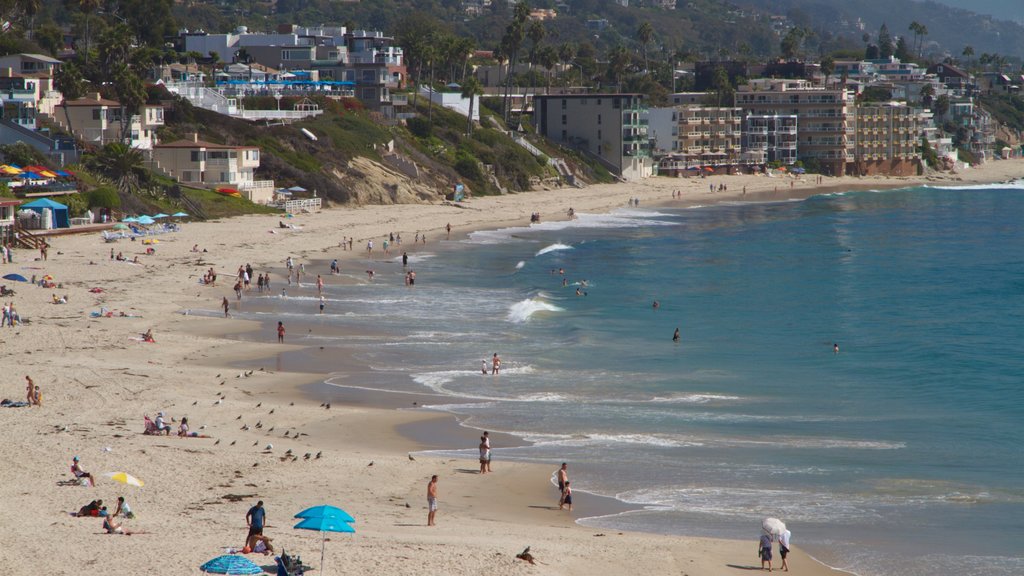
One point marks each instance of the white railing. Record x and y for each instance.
(301, 205)
(256, 185)
(276, 114)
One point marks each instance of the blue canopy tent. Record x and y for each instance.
(59, 212)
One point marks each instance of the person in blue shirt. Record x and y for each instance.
(256, 518)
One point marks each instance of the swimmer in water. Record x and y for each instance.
(675, 336)
(656, 305)
(835, 348)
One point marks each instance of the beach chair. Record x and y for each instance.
(288, 565)
(150, 427)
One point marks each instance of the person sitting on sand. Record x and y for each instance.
(123, 509)
(183, 428)
(90, 509)
(112, 526)
(76, 469)
(260, 544)
(148, 336)
(161, 425)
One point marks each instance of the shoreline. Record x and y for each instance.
(98, 380)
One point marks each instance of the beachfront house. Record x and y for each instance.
(770, 138)
(206, 164)
(825, 117)
(699, 135)
(98, 121)
(611, 128)
(887, 138)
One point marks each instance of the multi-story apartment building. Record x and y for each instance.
(887, 139)
(770, 138)
(825, 117)
(699, 135)
(193, 161)
(98, 121)
(609, 127)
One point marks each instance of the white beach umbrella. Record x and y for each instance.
(773, 526)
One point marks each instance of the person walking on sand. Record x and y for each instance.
(226, 305)
(280, 332)
(319, 284)
(483, 455)
(431, 500)
(566, 497)
(764, 551)
(30, 390)
(487, 444)
(449, 229)
(322, 304)
(563, 479)
(784, 548)
(255, 519)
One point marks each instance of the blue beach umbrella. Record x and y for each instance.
(16, 278)
(230, 564)
(324, 525)
(130, 219)
(180, 215)
(326, 512)
(160, 215)
(145, 220)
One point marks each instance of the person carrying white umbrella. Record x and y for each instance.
(784, 548)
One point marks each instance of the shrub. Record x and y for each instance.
(103, 197)
(419, 127)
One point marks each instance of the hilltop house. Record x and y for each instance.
(98, 121)
(193, 161)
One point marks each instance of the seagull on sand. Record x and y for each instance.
(411, 459)
(318, 455)
(233, 442)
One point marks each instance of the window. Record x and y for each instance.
(598, 119)
(95, 113)
(598, 101)
(198, 156)
(563, 104)
(598, 134)
(565, 119)
(565, 136)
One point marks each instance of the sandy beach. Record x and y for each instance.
(98, 379)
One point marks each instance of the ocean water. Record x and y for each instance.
(901, 455)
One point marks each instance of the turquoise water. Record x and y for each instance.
(900, 455)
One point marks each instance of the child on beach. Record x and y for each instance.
(566, 497)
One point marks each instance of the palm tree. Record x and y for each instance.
(88, 7)
(472, 89)
(69, 82)
(30, 8)
(548, 58)
(122, 164)
(536, 34)
(645, 33)
(967, 53)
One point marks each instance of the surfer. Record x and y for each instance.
(675, 336)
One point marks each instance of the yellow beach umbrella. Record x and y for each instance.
(9, 169)
(125, 478)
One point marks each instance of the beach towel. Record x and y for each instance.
(5, 403)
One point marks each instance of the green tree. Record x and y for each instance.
(50, 38)
(472, 89)
(536, 34)
(791, 43)
(941, 106)
(123, 165)
(70, 83)
(618, 65)
(548, 58)
(967, 53)
(644, 34)
(828, 66)
(902, 50)
(885, 44)
(722, 87)
(87, 7)
(131, 94)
